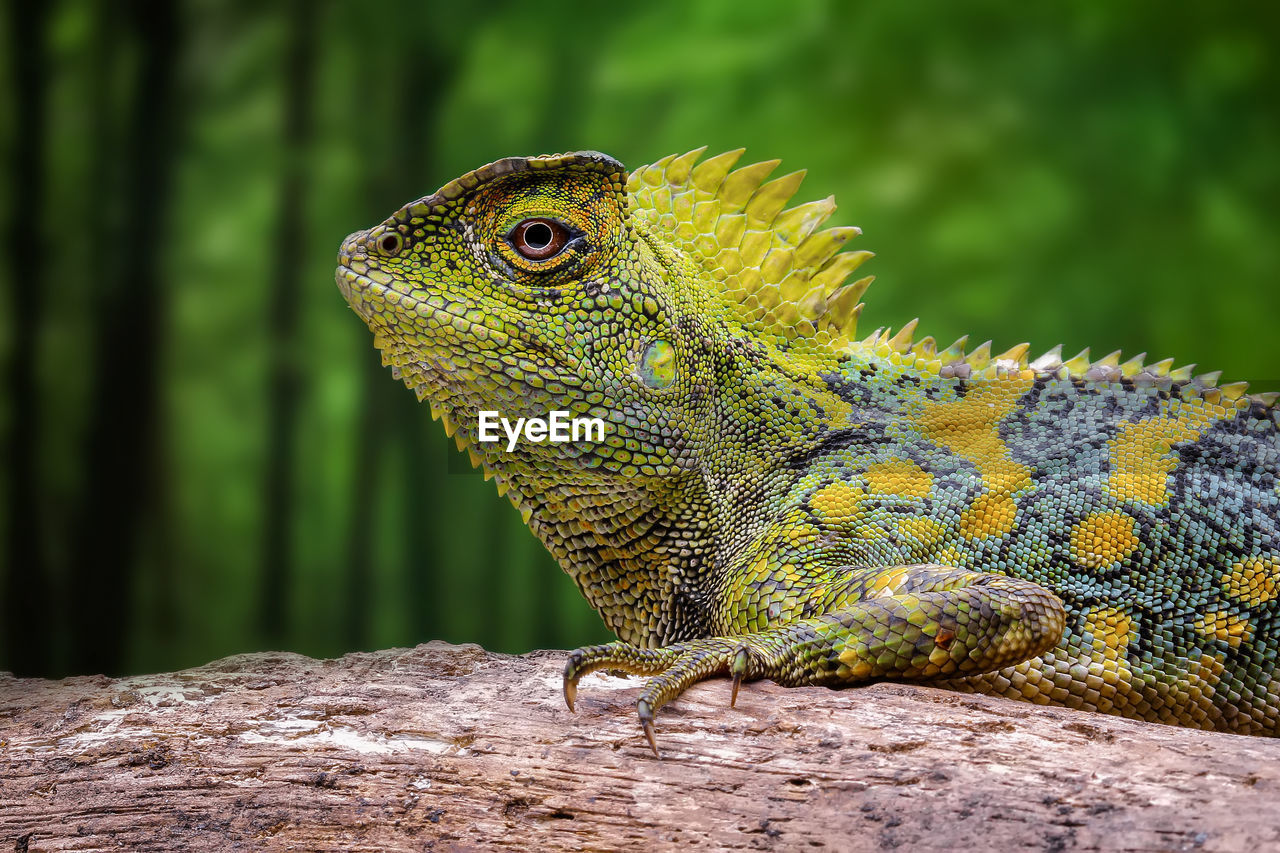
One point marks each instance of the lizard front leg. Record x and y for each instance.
(909, 622)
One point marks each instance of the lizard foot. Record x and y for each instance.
(940, 622)
(675, 667)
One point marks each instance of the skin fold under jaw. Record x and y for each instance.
(775, 497)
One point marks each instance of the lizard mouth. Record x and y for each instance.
(363, 293)
(374, 300)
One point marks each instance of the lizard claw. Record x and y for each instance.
(570, 692)
(653, 744)
(645, 713)
(738, 668)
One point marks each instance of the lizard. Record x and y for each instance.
(776, 497)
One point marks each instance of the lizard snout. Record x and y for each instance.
(352, 247)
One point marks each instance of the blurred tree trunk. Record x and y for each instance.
(390, 411)
(387, 409)
(123, 426)
(422, 470)
(284, 382)
(356, 611)
(26, 603)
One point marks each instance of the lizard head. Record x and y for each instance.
(523, 288)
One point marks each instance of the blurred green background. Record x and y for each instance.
(201, 453)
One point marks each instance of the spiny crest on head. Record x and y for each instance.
(777, 270)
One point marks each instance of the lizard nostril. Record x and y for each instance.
(352, 246)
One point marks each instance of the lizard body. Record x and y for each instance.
(777, 498)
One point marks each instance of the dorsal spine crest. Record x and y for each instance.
(782, 274)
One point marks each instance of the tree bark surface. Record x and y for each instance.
(453, 748)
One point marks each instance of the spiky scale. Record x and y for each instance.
(926, 347)
(858, 288)
(956, 350)
(1208, 380)
(901, 342)
(680, 168)
(1016, 354)
(710, 173)
(795, 287)
(1050, 361)
(1133, 366)
(753, 246)
(1078, 365)
(767, 202)
(655, 175)
(704, 217)
(776, 265)
(660, 199)
(838, 269)
(818, 248)
(850, 326)
(749, 279)
(842, 314)
(1234, 390)
(980, 357)
(795, 223)
(741, 184)
(730, 230)
(840, 305)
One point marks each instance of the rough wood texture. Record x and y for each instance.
(445, 748)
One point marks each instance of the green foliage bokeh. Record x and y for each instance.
(1100, 174)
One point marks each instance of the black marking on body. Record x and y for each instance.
(859, 394)
(832, 442)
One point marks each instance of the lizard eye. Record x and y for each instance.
(391, 243)
(539, 239)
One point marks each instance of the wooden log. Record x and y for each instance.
(453, 748)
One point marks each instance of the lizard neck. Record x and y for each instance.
(641, 553)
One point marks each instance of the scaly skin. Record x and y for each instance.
(776, 499)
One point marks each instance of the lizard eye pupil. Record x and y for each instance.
(539, 239)
(538, 235)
